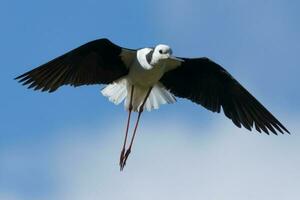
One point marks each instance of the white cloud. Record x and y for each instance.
(168, 163)
(9, 196)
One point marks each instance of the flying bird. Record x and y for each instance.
(146, 78)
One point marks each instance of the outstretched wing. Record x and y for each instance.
(97, 62)
(207, 83)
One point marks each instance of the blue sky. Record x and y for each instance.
(66, 145)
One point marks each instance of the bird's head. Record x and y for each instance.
(161, 52)
(156, 57)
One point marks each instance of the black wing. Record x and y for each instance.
(207, 83)
(97, 62)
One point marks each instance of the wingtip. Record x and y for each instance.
(288, 132)
(283, 129)
(18, 77)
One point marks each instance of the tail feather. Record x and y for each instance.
(159, 95)
(120, 90)
(116, 92)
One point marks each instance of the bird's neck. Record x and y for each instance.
(142, 58)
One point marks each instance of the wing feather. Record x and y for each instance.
(208, 84)
(96, 62)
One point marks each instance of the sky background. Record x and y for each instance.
(66, 145)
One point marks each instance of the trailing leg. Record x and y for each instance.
(141, 109)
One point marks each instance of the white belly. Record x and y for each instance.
(144, 77)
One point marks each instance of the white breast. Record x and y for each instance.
(142, 73)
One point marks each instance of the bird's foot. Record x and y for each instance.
(125, 159)
(121, 159)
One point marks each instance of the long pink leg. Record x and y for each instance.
(127, 128)
(135, 129)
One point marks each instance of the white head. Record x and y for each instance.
(159, 56)
(160, 53)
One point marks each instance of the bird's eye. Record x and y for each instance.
(160, 51)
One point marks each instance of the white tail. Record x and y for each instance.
(116, 92)
(120, 90)
(159, 95)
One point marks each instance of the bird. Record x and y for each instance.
(146, 78)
